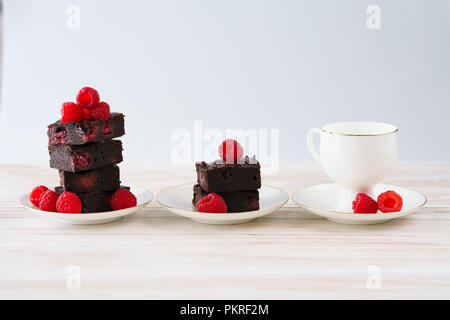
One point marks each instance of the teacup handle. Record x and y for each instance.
(310, 143)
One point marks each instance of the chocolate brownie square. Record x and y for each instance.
(78, 133)
(239, 201)
(95, 201)
(101, 179)
(219, 176)
(85, 157)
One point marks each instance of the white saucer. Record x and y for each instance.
(143, 198)
(178, 199)
(320, 200)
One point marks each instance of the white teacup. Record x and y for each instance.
(355, 154)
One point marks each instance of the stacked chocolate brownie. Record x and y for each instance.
(237, 183)
(87, 158)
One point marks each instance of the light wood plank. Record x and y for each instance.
(289, 254)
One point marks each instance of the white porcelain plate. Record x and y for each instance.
(143, 198)
(178, 199)
(321, 199)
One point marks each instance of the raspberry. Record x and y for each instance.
(230, 151)
(99, 112)
(88, 97)
(212, 203)
(122, 199)
(364, 204)
(71, 112)
(48, 201)
(390, 201)
(35, 196)
(68, 202)
(86, 113)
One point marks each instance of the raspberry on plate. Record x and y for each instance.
(71, 112)
(68, 202)
(48, 201)
(88, 97)
(390, 201)
(99, 112)
(123, 199)
(364, 204)
(230, 151)
(35, 196)
(212, 203)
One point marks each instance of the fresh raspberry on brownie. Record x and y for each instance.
(230, 151)
(88, 97)
(99, 112)
(71, 112)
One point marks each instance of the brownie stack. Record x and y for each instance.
(237, 183)
(87, 158)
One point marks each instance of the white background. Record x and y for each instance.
(291, 65)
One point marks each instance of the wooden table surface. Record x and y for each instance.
(289, 254)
